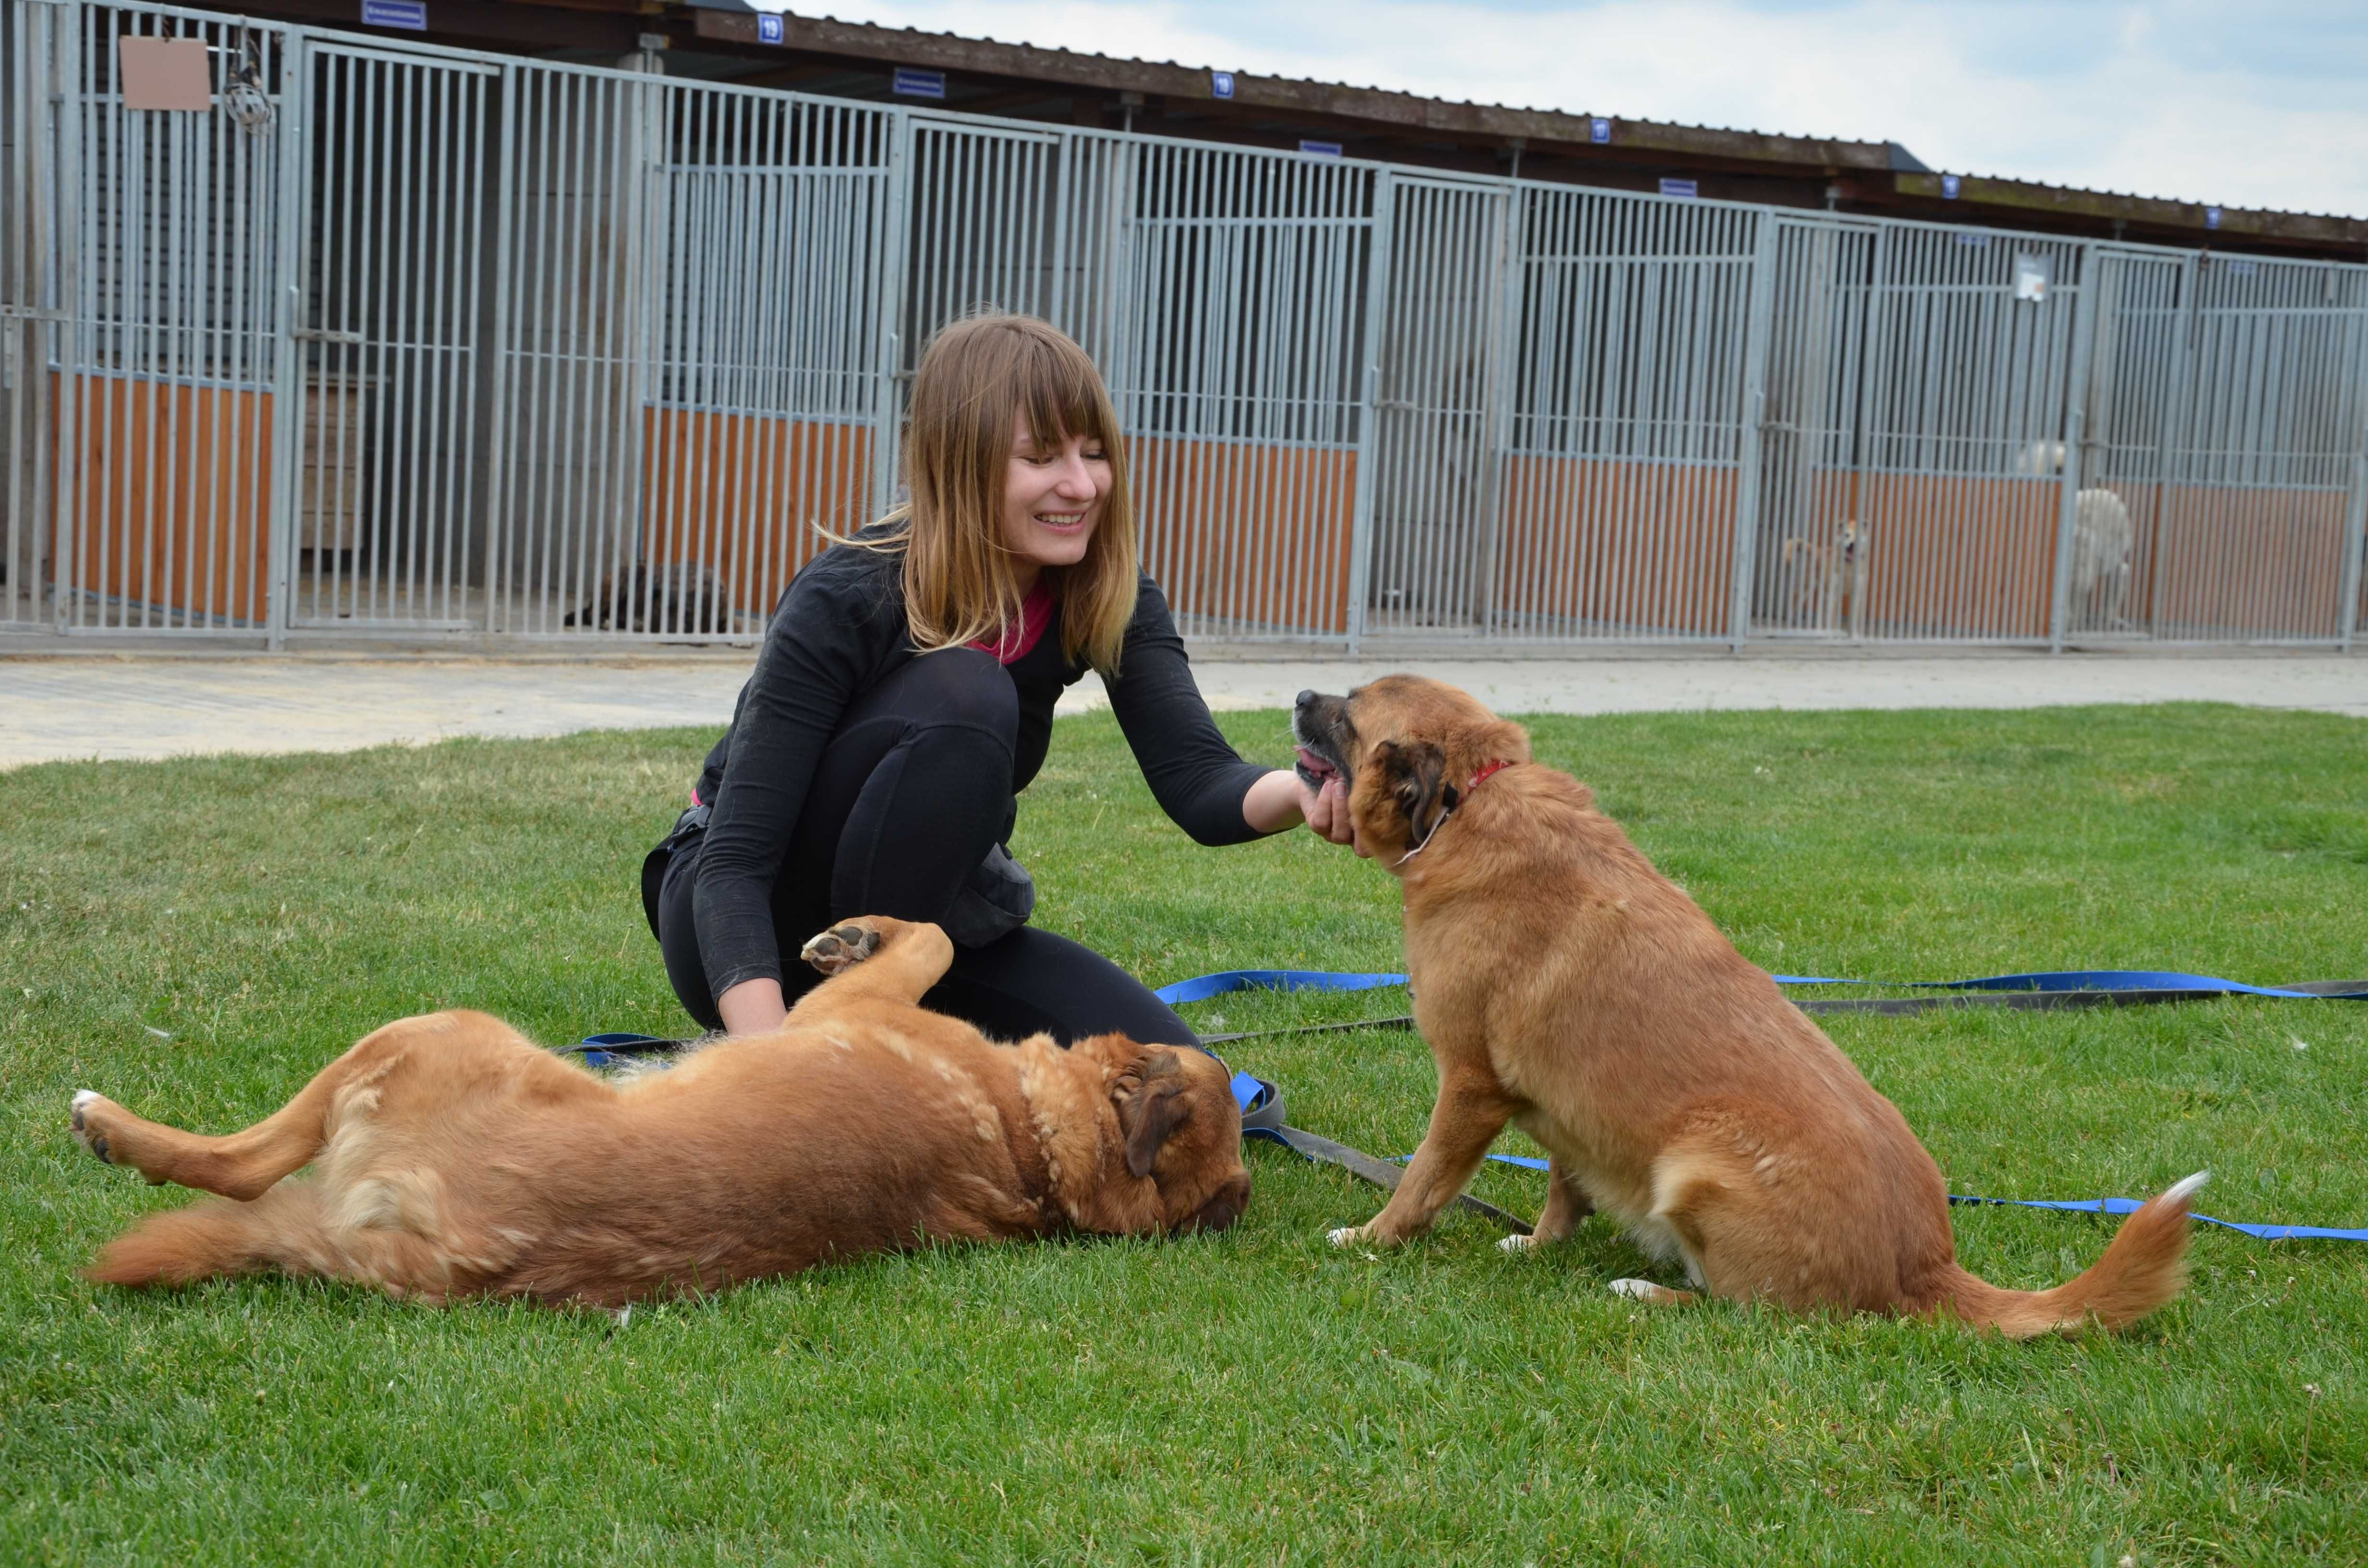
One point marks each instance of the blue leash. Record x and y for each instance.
(1200, 988)
(1256, 1095)
(2130, 1206)
(2076, 1205)
(1261, 1101)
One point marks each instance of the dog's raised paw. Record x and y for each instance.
(84, 1133)
(840, 948)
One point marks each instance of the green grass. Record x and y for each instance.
(196, 937)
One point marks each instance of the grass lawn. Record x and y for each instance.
(195, 939)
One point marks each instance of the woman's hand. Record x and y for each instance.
(1327, 811)
(1280, 797)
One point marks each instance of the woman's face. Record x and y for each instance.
(1053, 499)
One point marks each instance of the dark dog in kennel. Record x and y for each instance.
(679, 598)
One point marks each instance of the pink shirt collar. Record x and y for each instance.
(1035, 614)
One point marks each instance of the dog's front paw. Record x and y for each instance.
(841, 946)
(1517, 1244)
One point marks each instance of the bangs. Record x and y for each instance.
(1060, 394)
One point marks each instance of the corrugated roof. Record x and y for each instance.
(1568, 132)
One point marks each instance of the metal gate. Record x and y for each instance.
(1809, 555)
(1629, 437)
(1242, 382)
(767, 377)
(2138, 368)
(404, 340)
(574, 306)
(1438, 431)
(1967, 467)
(157, 346)
(2259, 539)
(381, 391)
(695, 343)
(29, 312)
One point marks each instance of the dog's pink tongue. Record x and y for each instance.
(1314, 764)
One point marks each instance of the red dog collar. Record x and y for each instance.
(1492, 768)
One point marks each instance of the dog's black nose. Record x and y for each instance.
(1305, 698)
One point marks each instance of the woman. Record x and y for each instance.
(904, 698)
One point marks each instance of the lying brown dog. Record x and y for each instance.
(460, 1159)
(1567, 987)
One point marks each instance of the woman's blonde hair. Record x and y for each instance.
(961, 583)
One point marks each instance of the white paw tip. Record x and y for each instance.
(2180, 1191)
(84, 1097)
(1345, 1236)
(1635, 1290)
(1517, 1243)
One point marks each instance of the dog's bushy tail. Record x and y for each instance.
(2144, 1267)
(284, 1229)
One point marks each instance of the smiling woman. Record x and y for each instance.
(903, 699)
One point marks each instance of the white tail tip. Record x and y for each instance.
(2180, 1191)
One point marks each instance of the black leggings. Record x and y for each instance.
(908, 797)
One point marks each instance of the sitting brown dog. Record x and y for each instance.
(460, 1159)
(1567, 987)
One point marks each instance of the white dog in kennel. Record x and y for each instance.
(2102, 539)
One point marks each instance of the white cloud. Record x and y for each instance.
(2163, 98)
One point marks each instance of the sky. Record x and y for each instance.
(2242, 105)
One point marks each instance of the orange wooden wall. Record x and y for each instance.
(1250, 534)
(1607, 547)
(174, 485)
(1975, 557)
(2238, 563)
(1955, 556)
(743, 494)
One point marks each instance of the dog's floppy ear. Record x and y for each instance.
(1417, 774)
(1151, 1106)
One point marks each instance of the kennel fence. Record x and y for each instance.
(405, 341)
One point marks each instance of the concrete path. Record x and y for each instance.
(105, 707)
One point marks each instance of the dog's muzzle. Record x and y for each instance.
(1317, 722)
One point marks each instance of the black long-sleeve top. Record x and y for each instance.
(838, 631)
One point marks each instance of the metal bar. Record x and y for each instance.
(1370, 349)
(505, 194)
(292, 203)
(2087, 304)
(2355, 531)
(1759, 324)
(888, 345)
